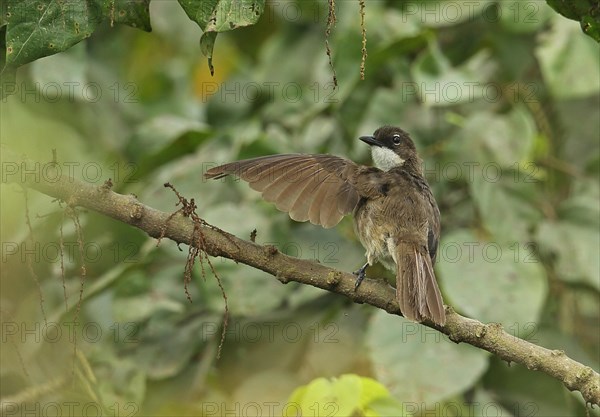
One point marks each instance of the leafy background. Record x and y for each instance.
(502, 99)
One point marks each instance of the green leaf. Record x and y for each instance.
(207, 45)
(587, 12)
(232, 14)
(492, 153)
(324, 246)
(164, 139)
(141, 307)
(37, 28)
(570, 63)
(120, 382)
(168, 342)
(134, 13)
(574, 238)
(343, 396)
(249, 291)
(199, 11)
(582, 207)
(7, 74)
(491, 282)
(418, 364)
(529, 393)
(440, 84)
(504, 140)
(440, 13)
(215, 16)
(523, 16)
(576, 247)
(497, 196)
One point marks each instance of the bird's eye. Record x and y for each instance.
(396, 139)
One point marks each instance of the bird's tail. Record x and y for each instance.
(416, 287)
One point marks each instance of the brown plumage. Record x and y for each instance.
(396, 217)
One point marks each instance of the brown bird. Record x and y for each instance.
(395, 215)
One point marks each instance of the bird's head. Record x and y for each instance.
(392, 147)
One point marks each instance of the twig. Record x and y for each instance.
(363, 31)
(331, 20)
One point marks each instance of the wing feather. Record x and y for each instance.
(309, 187)
(285, 179)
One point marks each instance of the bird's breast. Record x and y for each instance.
(375, 232)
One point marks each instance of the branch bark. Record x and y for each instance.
(127, 209)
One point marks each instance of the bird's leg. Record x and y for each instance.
(360, 274)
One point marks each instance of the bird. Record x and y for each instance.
(396, 217)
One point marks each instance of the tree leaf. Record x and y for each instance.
(418, 364)
(574, 238)
(134, 13)
(498, 197)
(207, 45)
(523, 16)
(440, 13)
(587, 12)
(490, 281)
(167, 344)
(440, 84)
(504, 140)
(344, 396)
(576, 247)
(40, 28)
(215, 16)
(569, 62)
(528, 393)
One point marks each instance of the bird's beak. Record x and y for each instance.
(370, 140)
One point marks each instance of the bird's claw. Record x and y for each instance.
(360, 274)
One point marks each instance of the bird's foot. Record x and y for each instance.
(360, 274)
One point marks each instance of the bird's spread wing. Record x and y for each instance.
(318, 188)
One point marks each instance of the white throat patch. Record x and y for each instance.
(385, 159)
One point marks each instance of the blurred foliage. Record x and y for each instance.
(503, 101)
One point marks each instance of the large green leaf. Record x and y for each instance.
(523, 16)
(438, 83)
(576, 248)
(492, 282)
(41, 28)
(418, 364)
(344, 396)
(490, 140)
(527, 393)
(492, 153)
(166, 345)
(573, 239)
(120, 384)
(570, 63)
(215, 16)
(37, 28)
(587, 12)
(504, 198)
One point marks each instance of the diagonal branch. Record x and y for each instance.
(127, 209)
